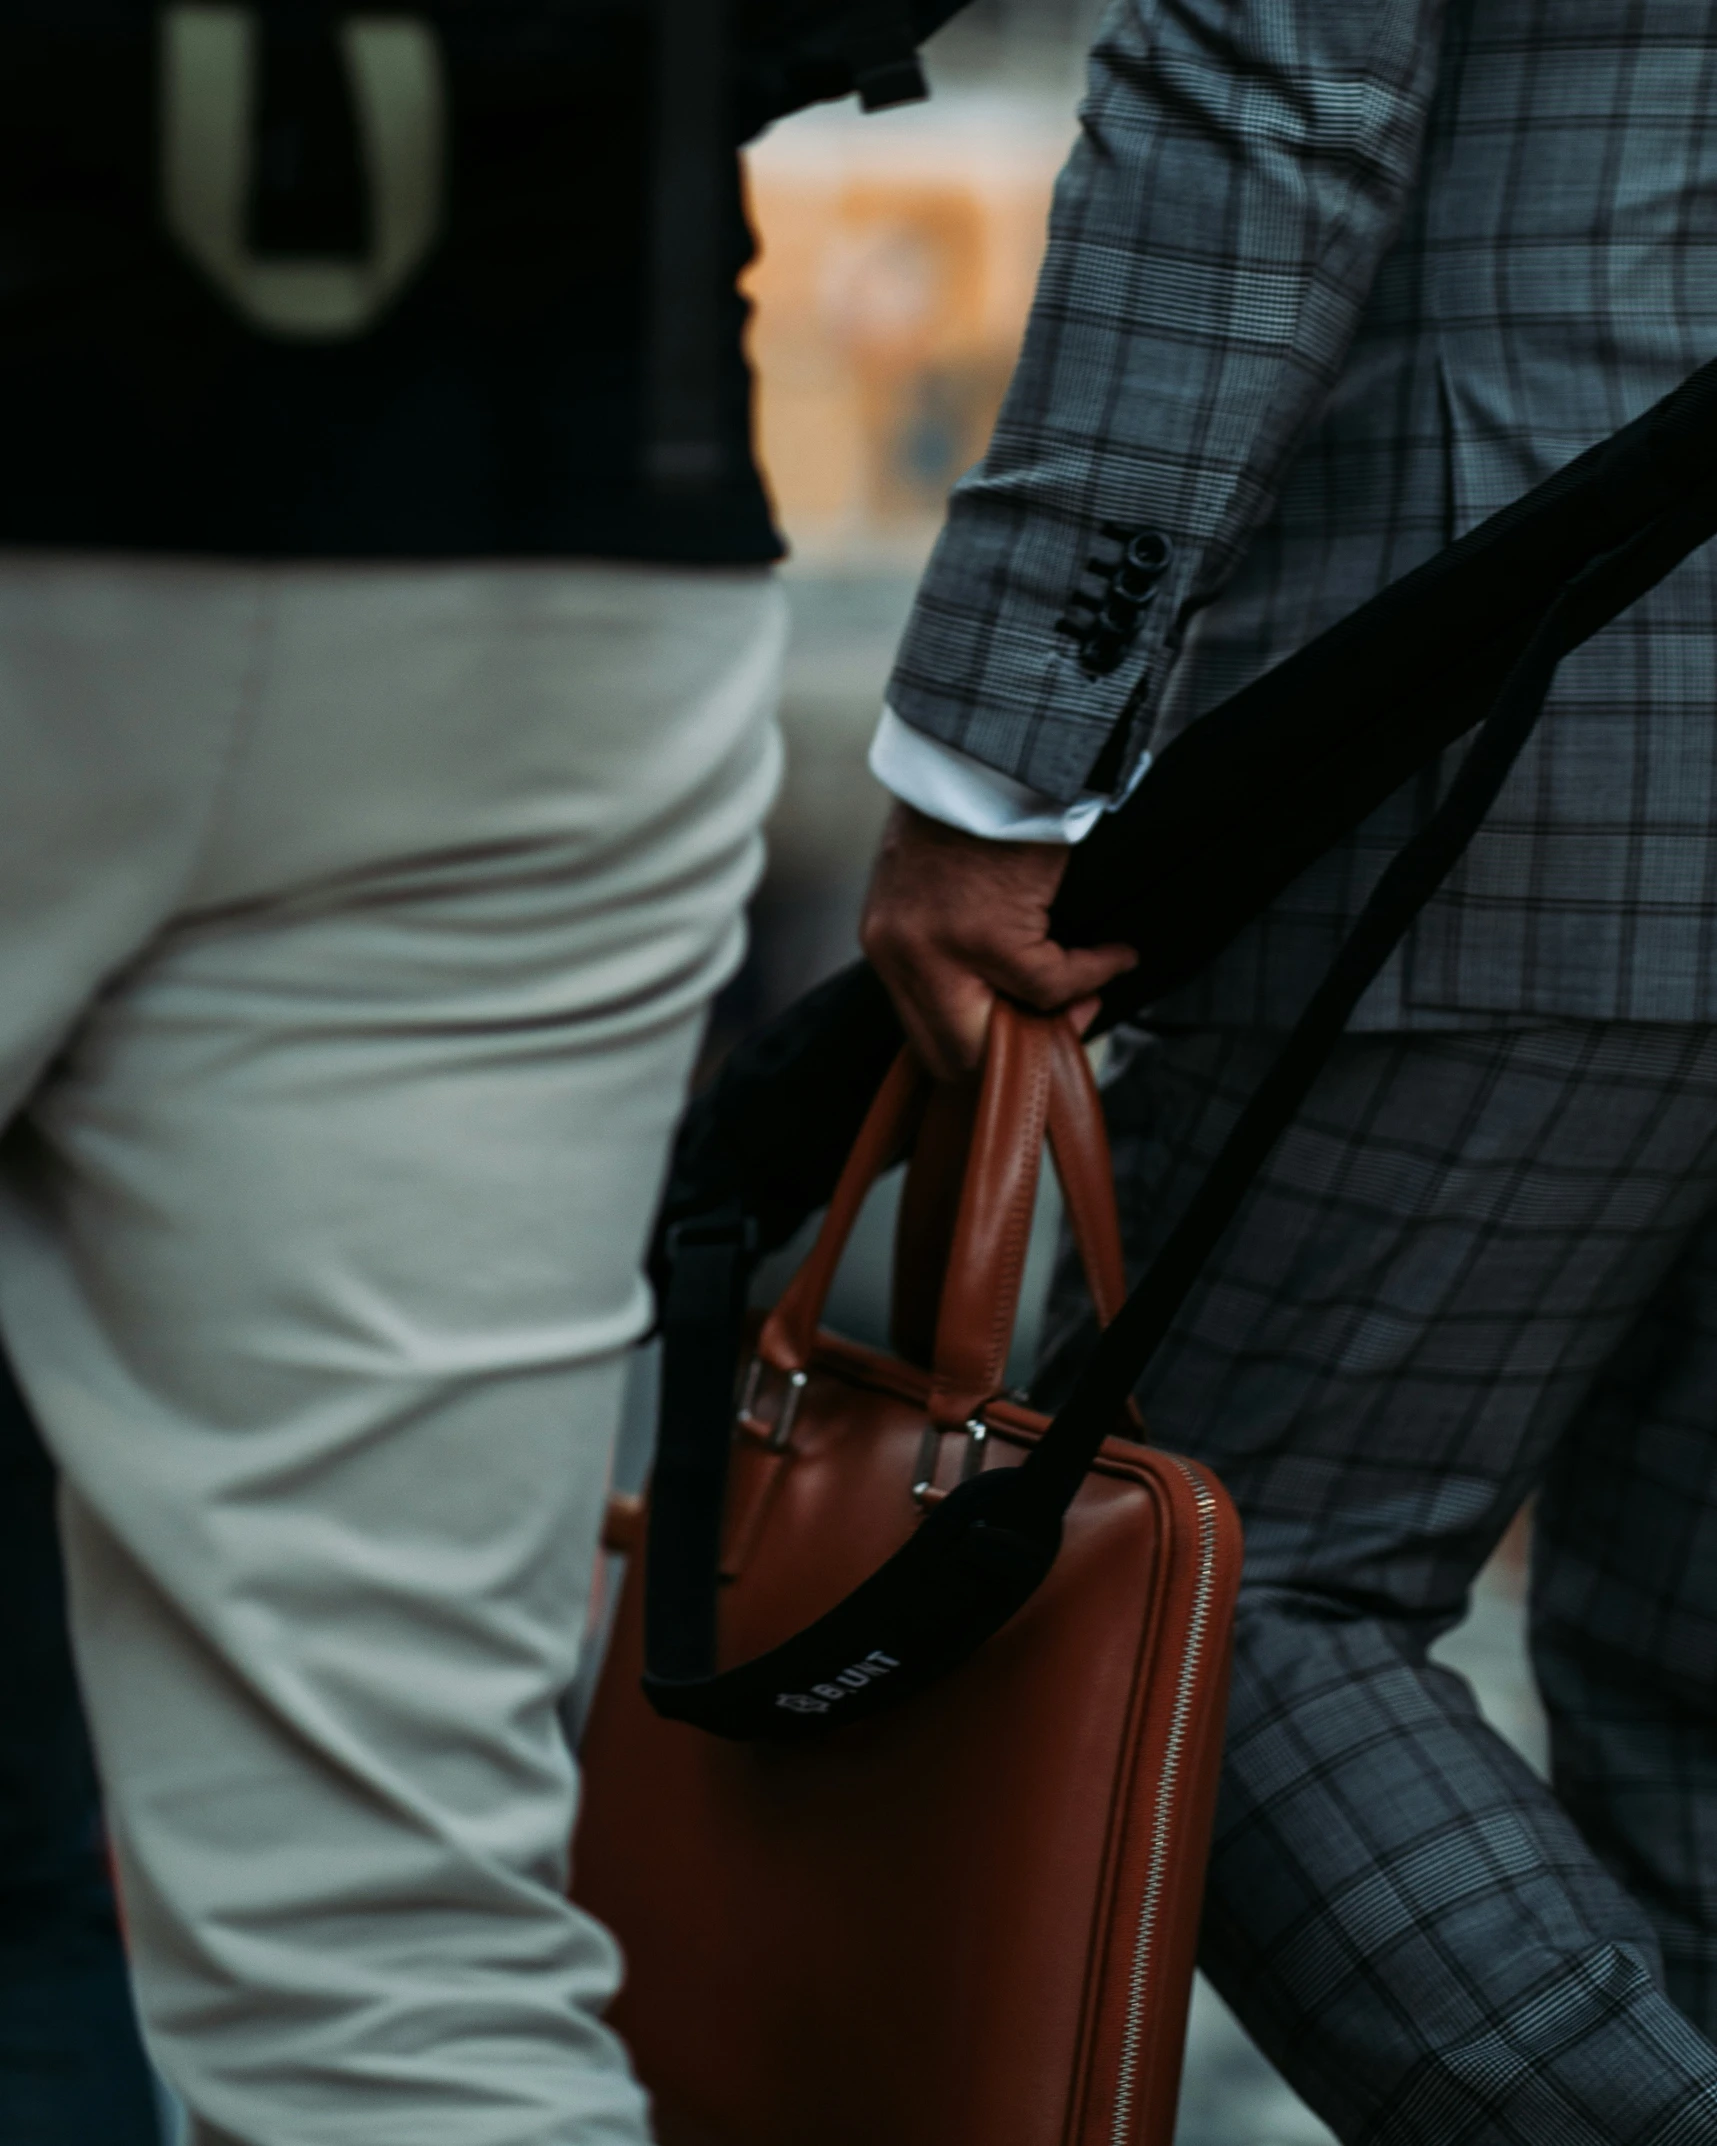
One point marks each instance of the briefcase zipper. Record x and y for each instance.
(1150, 1905)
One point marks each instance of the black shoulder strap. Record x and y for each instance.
(982, 1551)
(1240, 802)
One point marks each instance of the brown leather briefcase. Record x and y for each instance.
(970, 1920)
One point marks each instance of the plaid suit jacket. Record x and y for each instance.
(1326, 284)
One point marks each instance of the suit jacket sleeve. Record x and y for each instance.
(1241, 170)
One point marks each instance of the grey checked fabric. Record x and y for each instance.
(1479, 1266)
(1327, 283)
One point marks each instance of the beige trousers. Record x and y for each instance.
(356, 929)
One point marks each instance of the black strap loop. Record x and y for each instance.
(703, 1315)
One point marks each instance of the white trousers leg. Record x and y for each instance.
(356, 929)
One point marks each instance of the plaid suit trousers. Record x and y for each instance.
(1481, 1265)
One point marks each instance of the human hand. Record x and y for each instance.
(951, 920)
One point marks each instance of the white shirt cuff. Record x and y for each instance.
(948, 785)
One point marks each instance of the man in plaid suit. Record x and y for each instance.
(1328, 283)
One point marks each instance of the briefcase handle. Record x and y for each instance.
(936, 1178)
(966, 1212)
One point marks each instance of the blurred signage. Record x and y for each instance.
(898, 255)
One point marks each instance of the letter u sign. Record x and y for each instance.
(209, 63)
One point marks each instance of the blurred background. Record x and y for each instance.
(897, 258)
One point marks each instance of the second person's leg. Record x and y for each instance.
(1436, 1263)
(1625, 1622)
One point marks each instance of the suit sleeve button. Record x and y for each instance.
(1102, 651)
(1147, 556)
